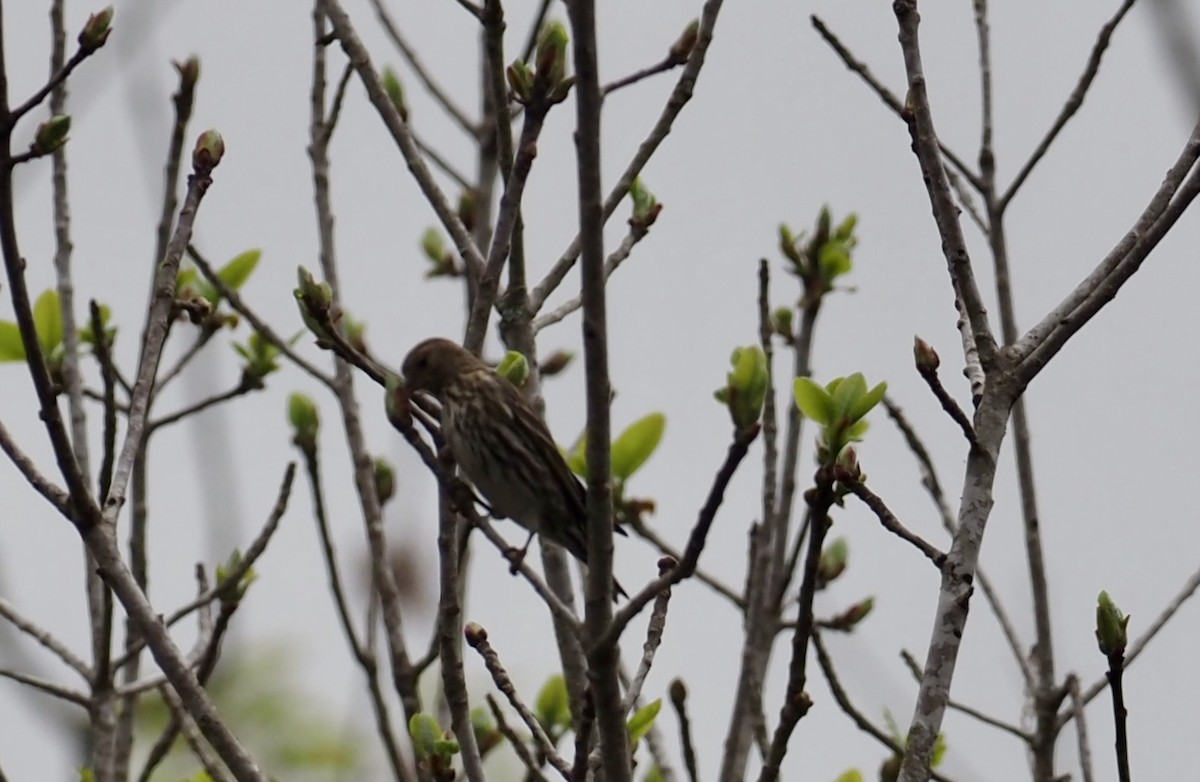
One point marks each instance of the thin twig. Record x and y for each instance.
(890, 100)
(45, 638)
(679, 98)
(643, 531)
(34, 100)
(1073, 103)
(1116, 676)
(516, 742)
(244, 386)
(796, 701)
(686, 566)
(614, 260)
(103, 350)
(919, 117)
(363, 652)
(1081, 733)
(914, 668)
(1179, 188)
(258, 324)
(477, 637)
(666, 64)
(849, 709)
(41, 484)
(894, 525)
(439, 95)
(678, 693)
(154, 336)
(654, 634)
(357, 52)
(49, 688)
(236, 573)
(929, 479)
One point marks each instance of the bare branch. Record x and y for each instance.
(49, 688)
(679, 97)
(889, 99)
(1072, 105)
(514, 741)
(439, 95)
(893, 524)
(477, 637)
(154, 336)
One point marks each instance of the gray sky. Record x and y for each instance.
(777, 128)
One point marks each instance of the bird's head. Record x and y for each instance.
(435, 364)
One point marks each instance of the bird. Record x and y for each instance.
(502, 445)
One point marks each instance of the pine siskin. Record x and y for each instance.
(502, 445)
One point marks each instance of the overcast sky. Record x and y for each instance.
(777, 128)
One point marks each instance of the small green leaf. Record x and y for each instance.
(642, 720)
(857, 431)
(85, 331)
(11, 346)
(395, 91)
(47, 317)
(814, 401)
(514, 368)
(425, 733)
(553, 707)
(1111, 626)
(847, 394)
(183, 280)
(654, 775)
(236, 272)
(445, 747)
(577, 458)
(636, 444)
(939, 751)
(868, 401)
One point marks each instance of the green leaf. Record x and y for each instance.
(654, 775)
(853, 775)
(845, 230)
(445, 747)
(236, 272)
(11, 346)
(939, 751)
(553, 707)
(856, 431)
(85, 331)
(47, 317)
(642, 720)
(183, 280)
(814, 401)
(868, 401)
(893, 728)
(577, 458)
(835, 260)
(425, 733)
(514, 368)
(636, 444)
(847, 394)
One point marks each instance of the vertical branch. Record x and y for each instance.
(404, 676)
(450, 639)
(99, 600)
(925, 144)
(796, 701)
(1044, 699)
(603, 659)
(14, 267)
